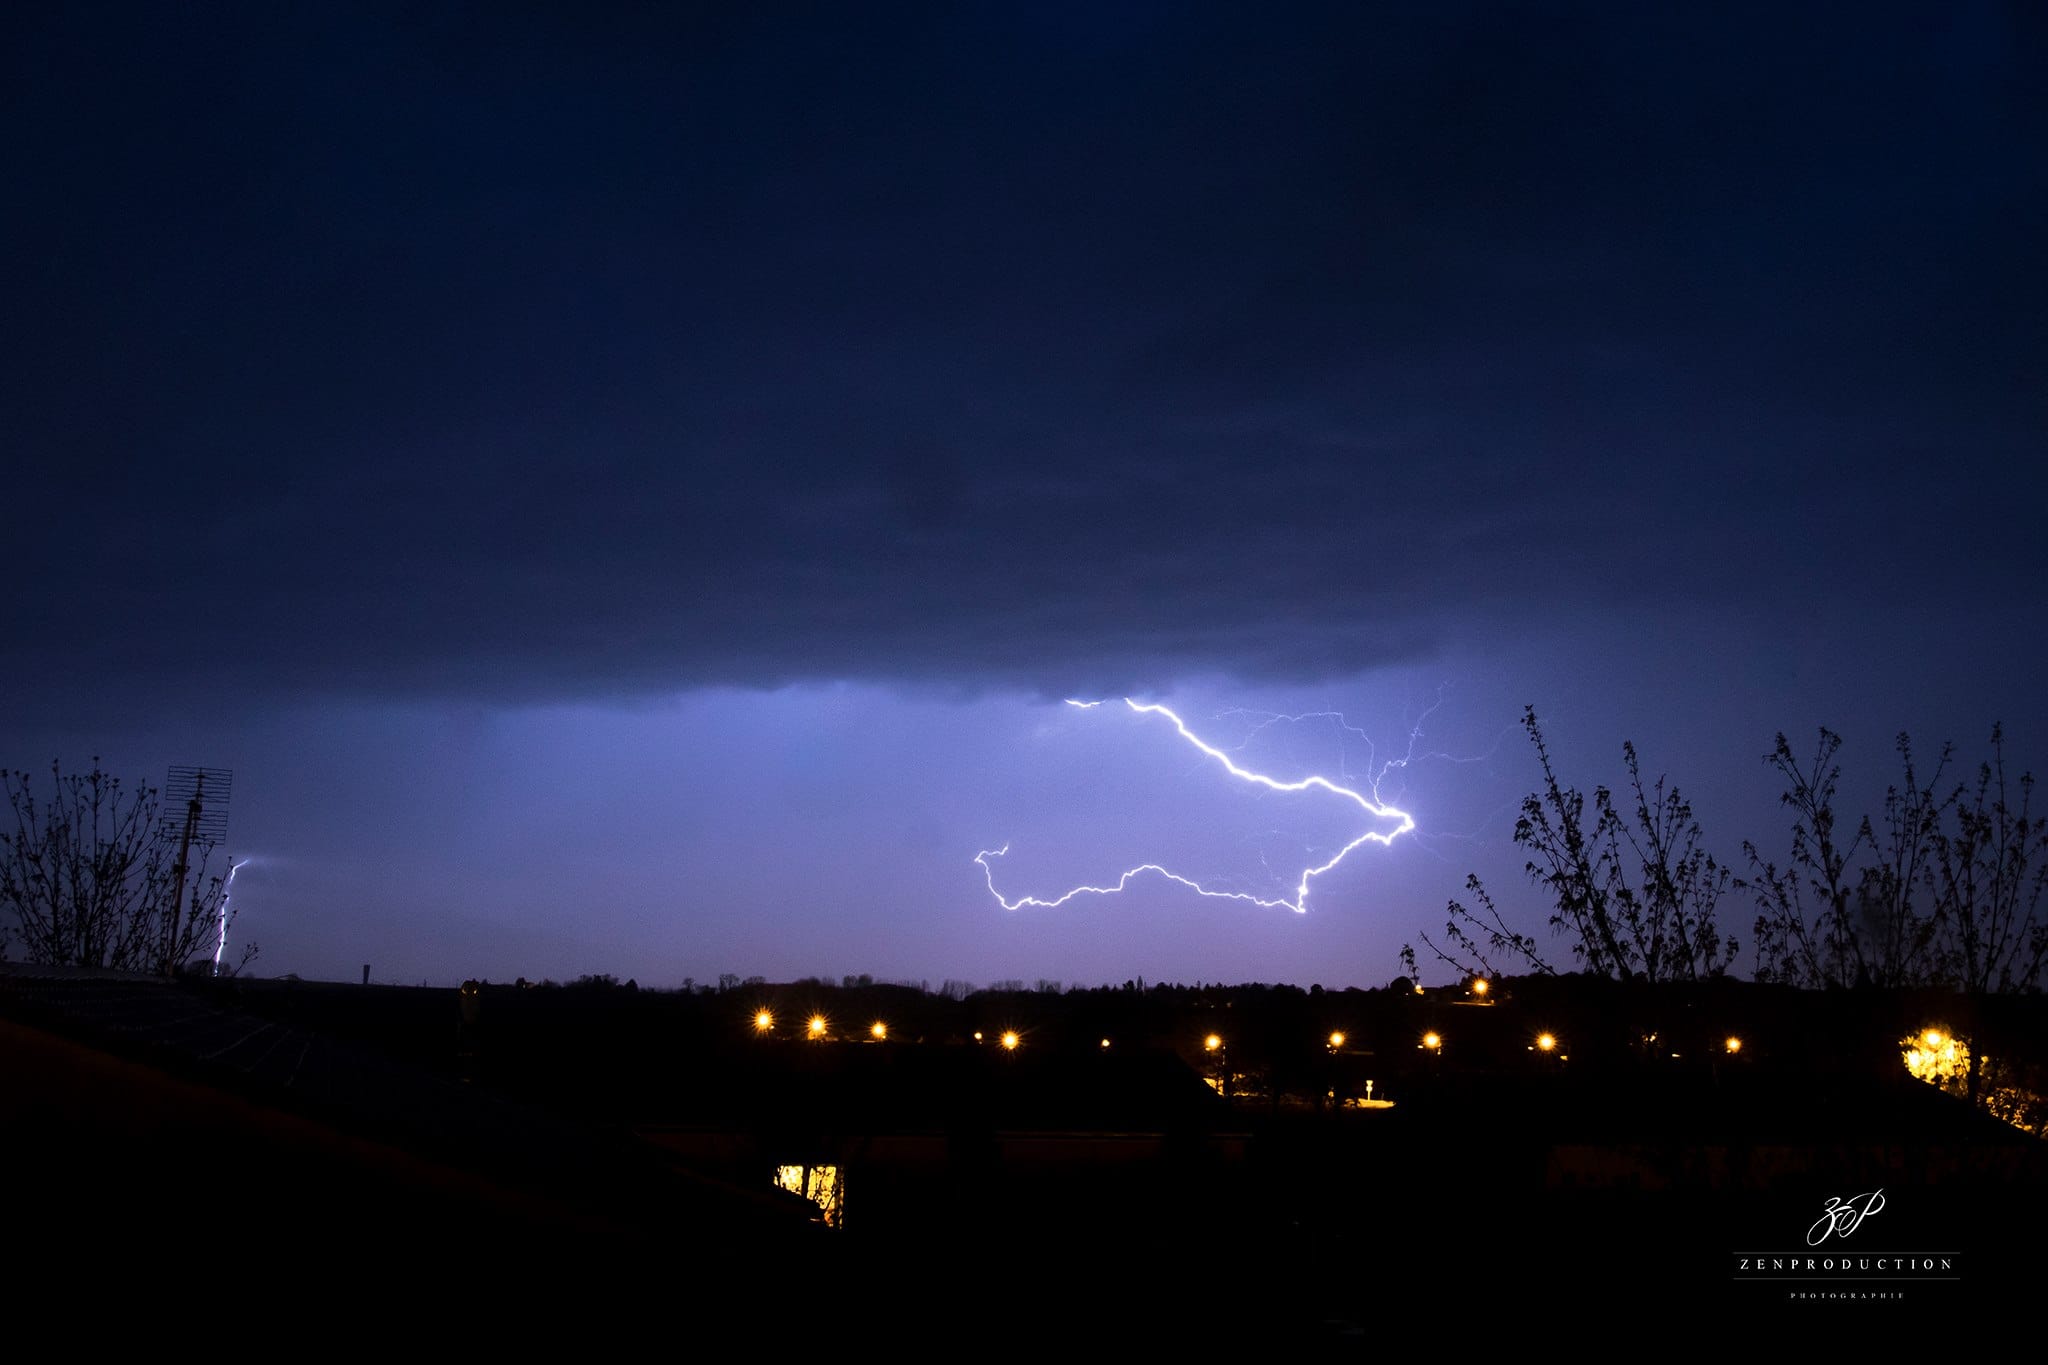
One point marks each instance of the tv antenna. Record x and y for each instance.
(196, 809)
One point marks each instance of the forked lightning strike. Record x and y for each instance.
(1299, 904)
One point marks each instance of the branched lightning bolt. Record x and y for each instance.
(1381, 770)
(1299, 904)
(227, 890)
(1378, 771)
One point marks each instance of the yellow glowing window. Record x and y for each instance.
(819, 1184)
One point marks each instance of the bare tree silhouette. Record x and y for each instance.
(1635, 894)
(87, 877)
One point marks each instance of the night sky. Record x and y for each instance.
(628, 487)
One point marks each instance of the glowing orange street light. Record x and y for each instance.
(1545, 1043)
(1481, 986)
(1105, 1043)
(879, 1030)
(1733, 1044)
(1336, 1040)
(1211, 1043)
(817, 1026)
(1432, 1041)
(1010, 1041)
(764, 1022)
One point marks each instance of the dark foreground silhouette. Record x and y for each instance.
(605, 1157)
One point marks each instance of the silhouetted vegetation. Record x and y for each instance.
(1635, 896)
(1940, 894)
(88, 878)
(1943, 890)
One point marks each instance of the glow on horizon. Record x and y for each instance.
(1298, 904)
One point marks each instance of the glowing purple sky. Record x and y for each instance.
(627, 491)
(830, 828)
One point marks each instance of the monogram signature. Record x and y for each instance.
(1844, 1216)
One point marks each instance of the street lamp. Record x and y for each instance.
(1433, 1041)
(817, 1027)
(1733, 1044)
(1336, 1041)
(1010, 1041)
(1546, 1042)
(764, 1022)
(1211, 1043)
(879, 1030)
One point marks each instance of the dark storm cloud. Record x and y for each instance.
(594, 350)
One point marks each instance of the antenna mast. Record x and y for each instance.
(196, 808)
